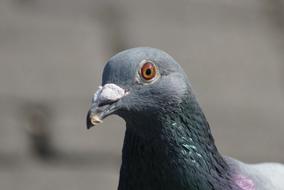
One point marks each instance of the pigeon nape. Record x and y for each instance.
(168, 144)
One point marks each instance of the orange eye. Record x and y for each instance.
(148, 71)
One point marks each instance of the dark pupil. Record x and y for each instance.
(148, 72)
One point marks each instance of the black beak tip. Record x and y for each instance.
(89, 124)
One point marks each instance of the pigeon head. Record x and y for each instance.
(168, 142)
(138, 83)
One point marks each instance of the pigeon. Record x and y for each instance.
(168, 144)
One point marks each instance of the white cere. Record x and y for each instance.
(96, 95)
(109, 92)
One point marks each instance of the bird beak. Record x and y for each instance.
(104, 103)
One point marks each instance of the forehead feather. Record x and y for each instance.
(123, 66)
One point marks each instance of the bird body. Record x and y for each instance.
(262, 176)
(168, 143)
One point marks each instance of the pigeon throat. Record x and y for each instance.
(180, 153)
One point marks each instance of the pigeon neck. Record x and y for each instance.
(182, 154)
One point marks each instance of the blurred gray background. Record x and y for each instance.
(52, 53)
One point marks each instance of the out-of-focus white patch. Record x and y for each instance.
(244, 183)
(109, 92)
(271, 172)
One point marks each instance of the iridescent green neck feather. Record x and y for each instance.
(172, 150)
